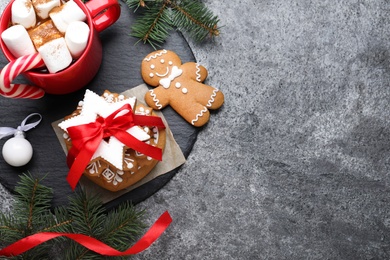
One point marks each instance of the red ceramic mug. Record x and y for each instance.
(100, 15)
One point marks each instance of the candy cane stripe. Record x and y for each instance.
(14, 69)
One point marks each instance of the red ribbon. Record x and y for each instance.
(25, 244)
(86, 138)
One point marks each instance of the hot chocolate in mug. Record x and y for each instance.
(100, 14)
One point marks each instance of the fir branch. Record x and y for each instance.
(194, 18)
(32, 204)
(122, 226)
(154, 25)
(157, 18)
(84, 215)
(87, 212)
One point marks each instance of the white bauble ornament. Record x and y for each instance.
(17, 151)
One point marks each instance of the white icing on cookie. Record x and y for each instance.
(209, 103)
(111, 151)
(198, 76)
(156, 55)
(175, 72)
(129, 162)
(199, 115)
(163, 75)
(94, 106)
(155, 99)
(94, 167)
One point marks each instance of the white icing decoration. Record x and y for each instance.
(178, 85)
(111, 151)
(152, 66)
(108, 174)
(138, 133)
(93, 167)
(162, 61)
(209, 103)
(155, 133)
(156, 55)
(170, 63)
(94, 106)
(198, 76)
(113, 177)
(129, 162)
(199, 115)
(151, 75)
(163, 75)
(184, 90)
(166, 82)
(155, 99)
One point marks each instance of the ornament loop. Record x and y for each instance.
(19, 131)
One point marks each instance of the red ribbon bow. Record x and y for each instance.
(25, 244)
(87, 137)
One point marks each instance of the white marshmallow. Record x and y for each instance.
(18, 41)
(43, 8)
(69, 12)
(22, 12)
(56, 55)
(59, 23)
(72, 12)
(76, 38)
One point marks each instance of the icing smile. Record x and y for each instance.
(163, 75)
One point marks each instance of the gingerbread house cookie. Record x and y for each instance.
(115, 166)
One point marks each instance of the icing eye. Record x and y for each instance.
(170, 63)
(151, 75)
(184, 90)
(178, 85)
(162, 60)
(152, 66)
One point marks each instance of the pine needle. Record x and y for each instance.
(158, 18)
(85, 214)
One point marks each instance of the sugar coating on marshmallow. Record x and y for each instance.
(18, 41)
(43, 7)
(56, 55)
(63, 15)
(43, 33)
(23, 13)
(76, 38)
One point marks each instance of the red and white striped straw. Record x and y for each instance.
(14, 69)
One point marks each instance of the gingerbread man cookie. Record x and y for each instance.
(180, 86)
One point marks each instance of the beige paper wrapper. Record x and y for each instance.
(172, 156)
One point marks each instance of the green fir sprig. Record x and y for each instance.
(158, 17)
(32, 213)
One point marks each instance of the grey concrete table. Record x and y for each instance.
(296, 164)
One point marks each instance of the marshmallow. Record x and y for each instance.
(22, 12)
(43, 33)
(76, 38)
(18, 41)
(56, 55)
(63, 15)
(43, 7)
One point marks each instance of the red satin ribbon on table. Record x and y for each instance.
(25, 244)
(87, 137)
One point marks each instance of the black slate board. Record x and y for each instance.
(120, 70)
